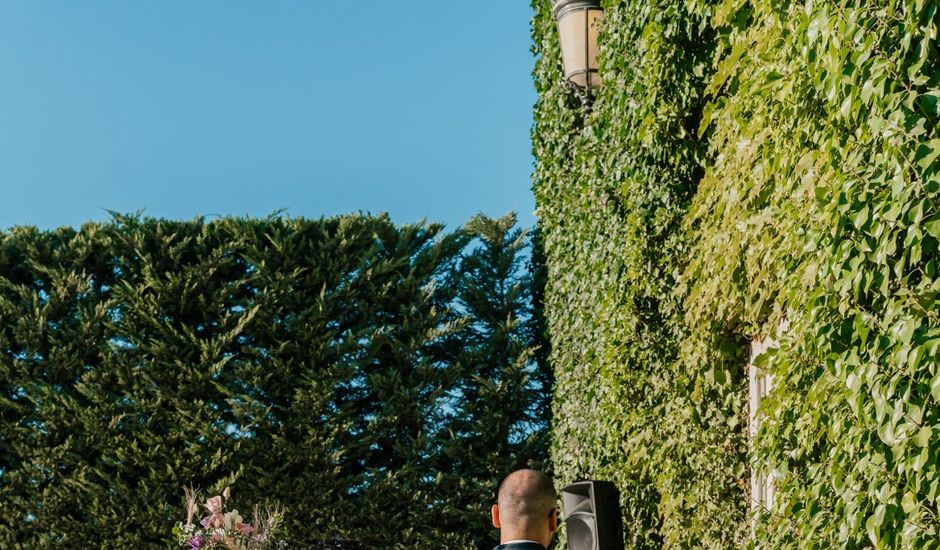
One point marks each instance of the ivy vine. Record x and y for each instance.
(745, 162)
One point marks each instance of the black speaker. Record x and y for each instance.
(592, 516)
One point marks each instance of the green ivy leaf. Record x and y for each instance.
(909, 502)
(923, 436)
(927, 153)
(933, 227)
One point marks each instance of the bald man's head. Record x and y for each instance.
(526, 498)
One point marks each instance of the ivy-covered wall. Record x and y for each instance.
(747, 162)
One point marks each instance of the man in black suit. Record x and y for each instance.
(526, 511)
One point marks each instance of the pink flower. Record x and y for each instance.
(244, 529)
(214, 504)
(213, 521)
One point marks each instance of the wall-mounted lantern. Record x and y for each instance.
(578, 29)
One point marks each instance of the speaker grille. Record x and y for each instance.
(580, 529)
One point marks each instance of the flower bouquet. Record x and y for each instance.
(227, 529)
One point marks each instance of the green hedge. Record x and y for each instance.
(334, 366)
(747, 162)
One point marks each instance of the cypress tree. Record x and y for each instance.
(502, 396)
(374, 379)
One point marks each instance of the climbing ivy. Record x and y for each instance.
(821, 206)
(612, 189)
(746, 163)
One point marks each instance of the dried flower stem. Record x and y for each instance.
(192, 497)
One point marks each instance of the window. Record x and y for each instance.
(760, 383)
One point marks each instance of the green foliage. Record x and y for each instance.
(316, 363)
(612, 190)
(820, 206)
(501, 403)
(748, 162)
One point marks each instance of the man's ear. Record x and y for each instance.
(553, 520)
(494, 511)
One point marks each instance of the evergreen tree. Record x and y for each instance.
(374, 379)
(501, 399)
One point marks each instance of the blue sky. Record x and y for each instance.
(419, 108)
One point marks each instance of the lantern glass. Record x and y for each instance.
(578, 31)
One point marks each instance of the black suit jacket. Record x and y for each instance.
(520, 546)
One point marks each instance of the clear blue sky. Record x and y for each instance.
(420, 108)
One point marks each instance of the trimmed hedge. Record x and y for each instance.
(322, 364)
(747, 162)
